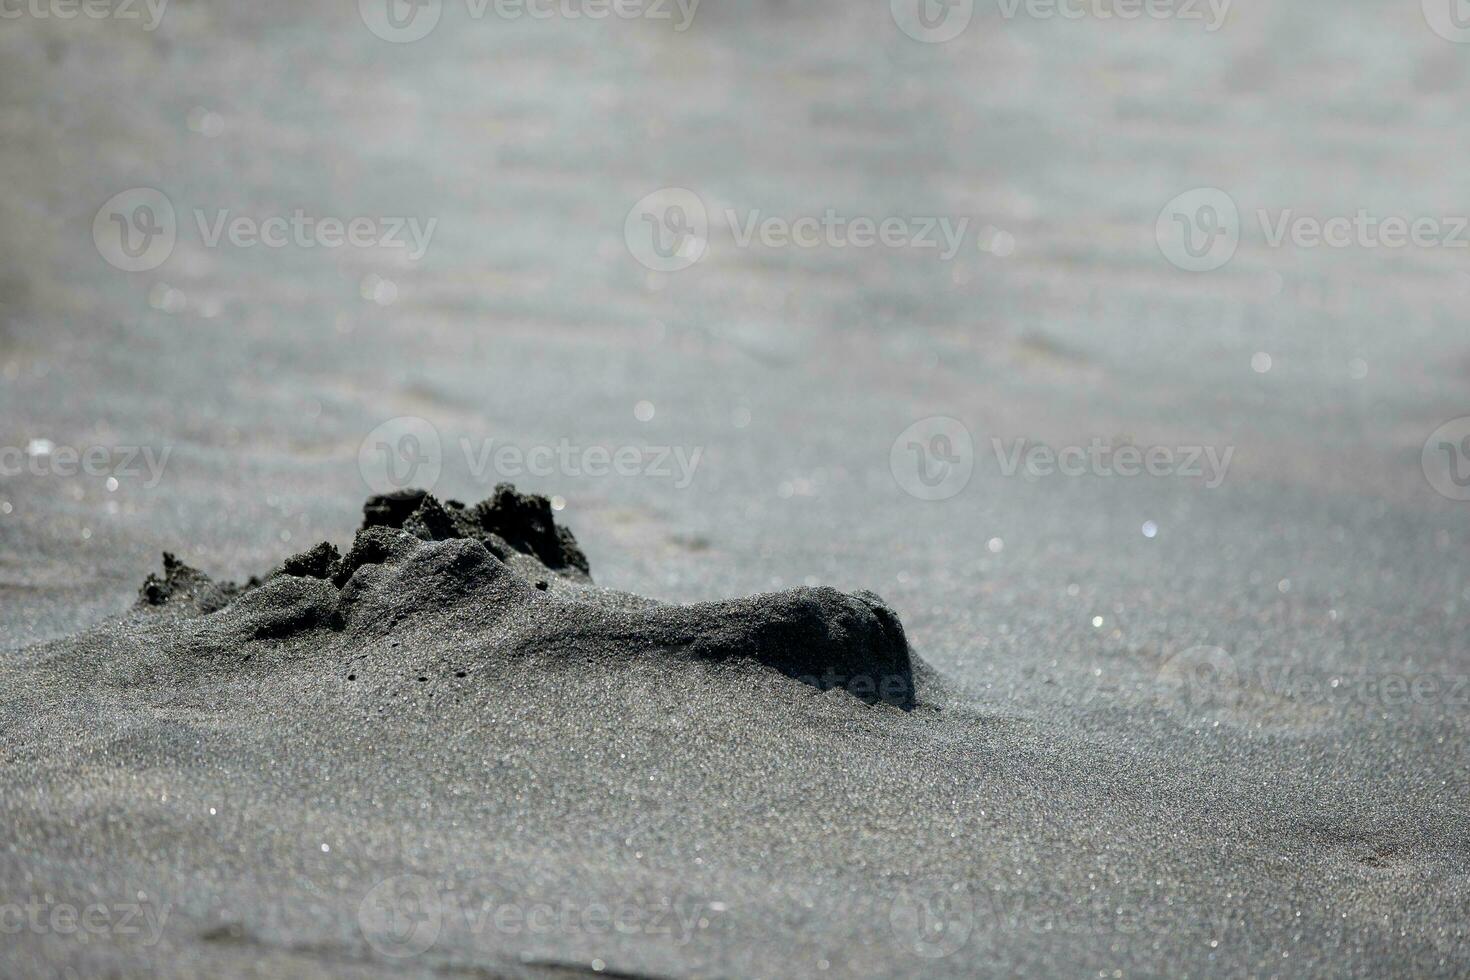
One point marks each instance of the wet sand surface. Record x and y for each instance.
(1178, 724)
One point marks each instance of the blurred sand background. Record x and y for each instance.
(1325, 550)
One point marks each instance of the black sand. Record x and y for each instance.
(451, 753)
(506, 580)
(1237, 747)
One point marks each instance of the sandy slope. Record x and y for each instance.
(426, 755)
(1248, 730)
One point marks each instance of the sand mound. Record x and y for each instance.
(502, 571)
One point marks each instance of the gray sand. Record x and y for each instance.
(438, 752)
(1236, 745)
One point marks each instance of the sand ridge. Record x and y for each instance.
(505, 568)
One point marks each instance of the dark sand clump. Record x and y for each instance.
(504, 568)
(443, 751)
